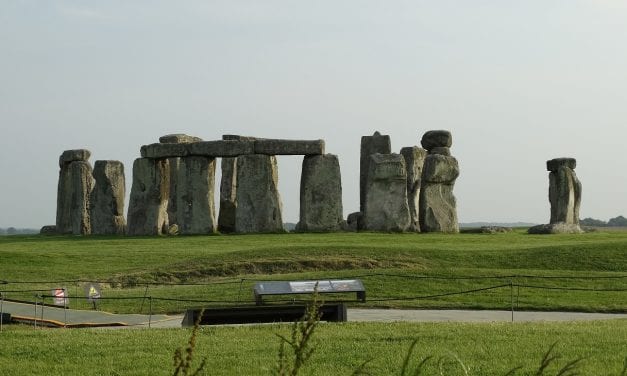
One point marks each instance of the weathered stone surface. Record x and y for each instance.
(147, 209)
(441, 151)
(174, 165)
(436, 138)
(235, 137)
(564, 196)
(195, 187)
(258, 202)
(222, 148)
(438, 211)
(555, 228)
(554, 164)
(440, 169)
(74, 188)
(414, 162)
(75, 155)
(106, 206)
(320, 194)
(354, 221)
(162, 151)
(386, 208)
(178, 138)
(228, 190)
(48, 230)
(289, 147)
(370, 145)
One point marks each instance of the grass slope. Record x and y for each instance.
(391, 266)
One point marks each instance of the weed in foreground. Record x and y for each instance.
(183, 357)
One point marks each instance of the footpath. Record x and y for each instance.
(59, 317)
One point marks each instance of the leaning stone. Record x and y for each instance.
(258, 202)
(222, 148)
(48, 230)
(414, 162)
(441, 151)
(555, 228)
(195, 205)
(107, 199)
(438, 138)
(228, 190)
(386, 208)
(178, 138)
(75, 185)
(147, 209)
(162, 151)
(289, 147)
(320, 194)
(440, 169)
(370, 145)
(438, 212)
(554, 164)
(76, 155)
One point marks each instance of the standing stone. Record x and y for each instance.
(74, 187)
(147, 209)
(320, 194)
(438, 207)
(195, 206)
(107, 199)
(385, 207)
(370, 145)
(174, 162)
(414, 161)
(228, 189)
(258, 206)
(564, 196)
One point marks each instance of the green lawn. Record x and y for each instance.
(484, 349)
(398, 270)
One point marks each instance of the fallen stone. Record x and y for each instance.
(195, 205)
(554, 164)
(555, 228)
(48, 230)
(353, 221)
(258, 202)
(147, 210)
(385, 207)
(76, 155)
(228, 193)
(320, 194)
(437, 138)
(178, 138)
(107, 199)
(414, 162)
(289, 147)
(370, 145)
(74, 188)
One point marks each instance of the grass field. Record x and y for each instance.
(585, 272)
(396, 268)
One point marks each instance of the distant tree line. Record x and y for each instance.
(17, 231)
(619, 221)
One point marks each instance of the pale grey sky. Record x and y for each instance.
(516, 82)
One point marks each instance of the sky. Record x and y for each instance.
(516, 82)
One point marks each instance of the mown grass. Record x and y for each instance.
(484, 349)
(391, 266)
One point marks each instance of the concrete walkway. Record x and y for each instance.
(52, 316)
